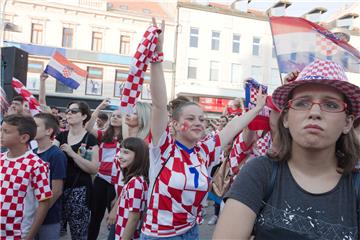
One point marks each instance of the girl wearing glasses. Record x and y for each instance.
(109, 145)
(313, 193)
(78, 183)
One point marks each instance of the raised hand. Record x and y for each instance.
(260, 99)
(160, 44)
(291, 76)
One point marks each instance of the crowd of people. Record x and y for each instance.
(283, 168)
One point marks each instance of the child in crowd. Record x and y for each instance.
(307, 188)
(103, 188)
(22, 173)
(133, 159)
(47, 127)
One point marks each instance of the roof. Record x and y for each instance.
(144, 7)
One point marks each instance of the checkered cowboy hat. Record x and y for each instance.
(323, 72)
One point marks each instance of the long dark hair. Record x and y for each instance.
(140, 165)
(109, 135)
(347, 147)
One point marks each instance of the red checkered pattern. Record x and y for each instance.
(324, 72)
(145, 53)
(26, 94)
(325, 46)
(132, 199)
(17, 174)
(175, 205)
(107, 153)
(240, 152)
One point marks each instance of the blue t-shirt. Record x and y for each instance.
(57, 161)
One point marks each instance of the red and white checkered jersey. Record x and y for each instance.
(174, 206)
(132, 199)
(240, 152)
(16, 175)
(107, 153)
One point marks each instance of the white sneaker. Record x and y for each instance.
(213, 220)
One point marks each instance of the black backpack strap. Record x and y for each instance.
(271, 184)
(356, 184)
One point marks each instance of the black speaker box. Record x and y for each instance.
(14, 63)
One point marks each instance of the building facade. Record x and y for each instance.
(98, 36)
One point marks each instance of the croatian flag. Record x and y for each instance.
(34, 105)
(299, 42)
(65, 71)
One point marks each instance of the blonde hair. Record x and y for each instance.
(143, 110)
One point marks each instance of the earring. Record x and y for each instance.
(345, 131)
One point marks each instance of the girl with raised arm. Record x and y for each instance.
(180, 163)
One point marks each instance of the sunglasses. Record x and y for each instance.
(72, 110)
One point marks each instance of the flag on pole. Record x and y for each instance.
(34, 105)
(298, 42)
(65, 71)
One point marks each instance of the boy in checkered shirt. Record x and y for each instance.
(21, 170)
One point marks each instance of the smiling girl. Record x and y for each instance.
(134, 162)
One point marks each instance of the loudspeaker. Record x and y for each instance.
(14, 63)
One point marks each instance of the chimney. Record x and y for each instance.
(240, 5)
(279, 8)
(347, 21)
(315, 14)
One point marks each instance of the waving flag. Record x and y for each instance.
(34, 105)
(145, 53)
(65, 71)
(298, 42)
(261, 121)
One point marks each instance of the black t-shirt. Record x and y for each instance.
(75, 176)
(291, 212)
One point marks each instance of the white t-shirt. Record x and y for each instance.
(30, 206)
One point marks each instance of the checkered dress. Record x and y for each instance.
(132, 199)
(240, 152)
(174, 206)
(17, 174)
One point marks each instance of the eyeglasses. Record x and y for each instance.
(72, 110)
(116, 115)
(328, 105)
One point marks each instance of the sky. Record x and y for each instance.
(298, 7)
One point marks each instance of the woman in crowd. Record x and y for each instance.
(134, 162)
(81, 150)
(138, 123)
(306, 190)
(179, 164)
(103, 188)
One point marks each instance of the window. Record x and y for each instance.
(192, 68)
(215, 40)
(36, 33)
(67, 38)
(120, 79)
(235, 73)
(256, 73)
(214, 71)
(94, 81)
(236, 43)
(96, 41)
(61, 88)
(35, 68)
(124, 44)
(194, 37)
(293, 57)
(256, 46)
